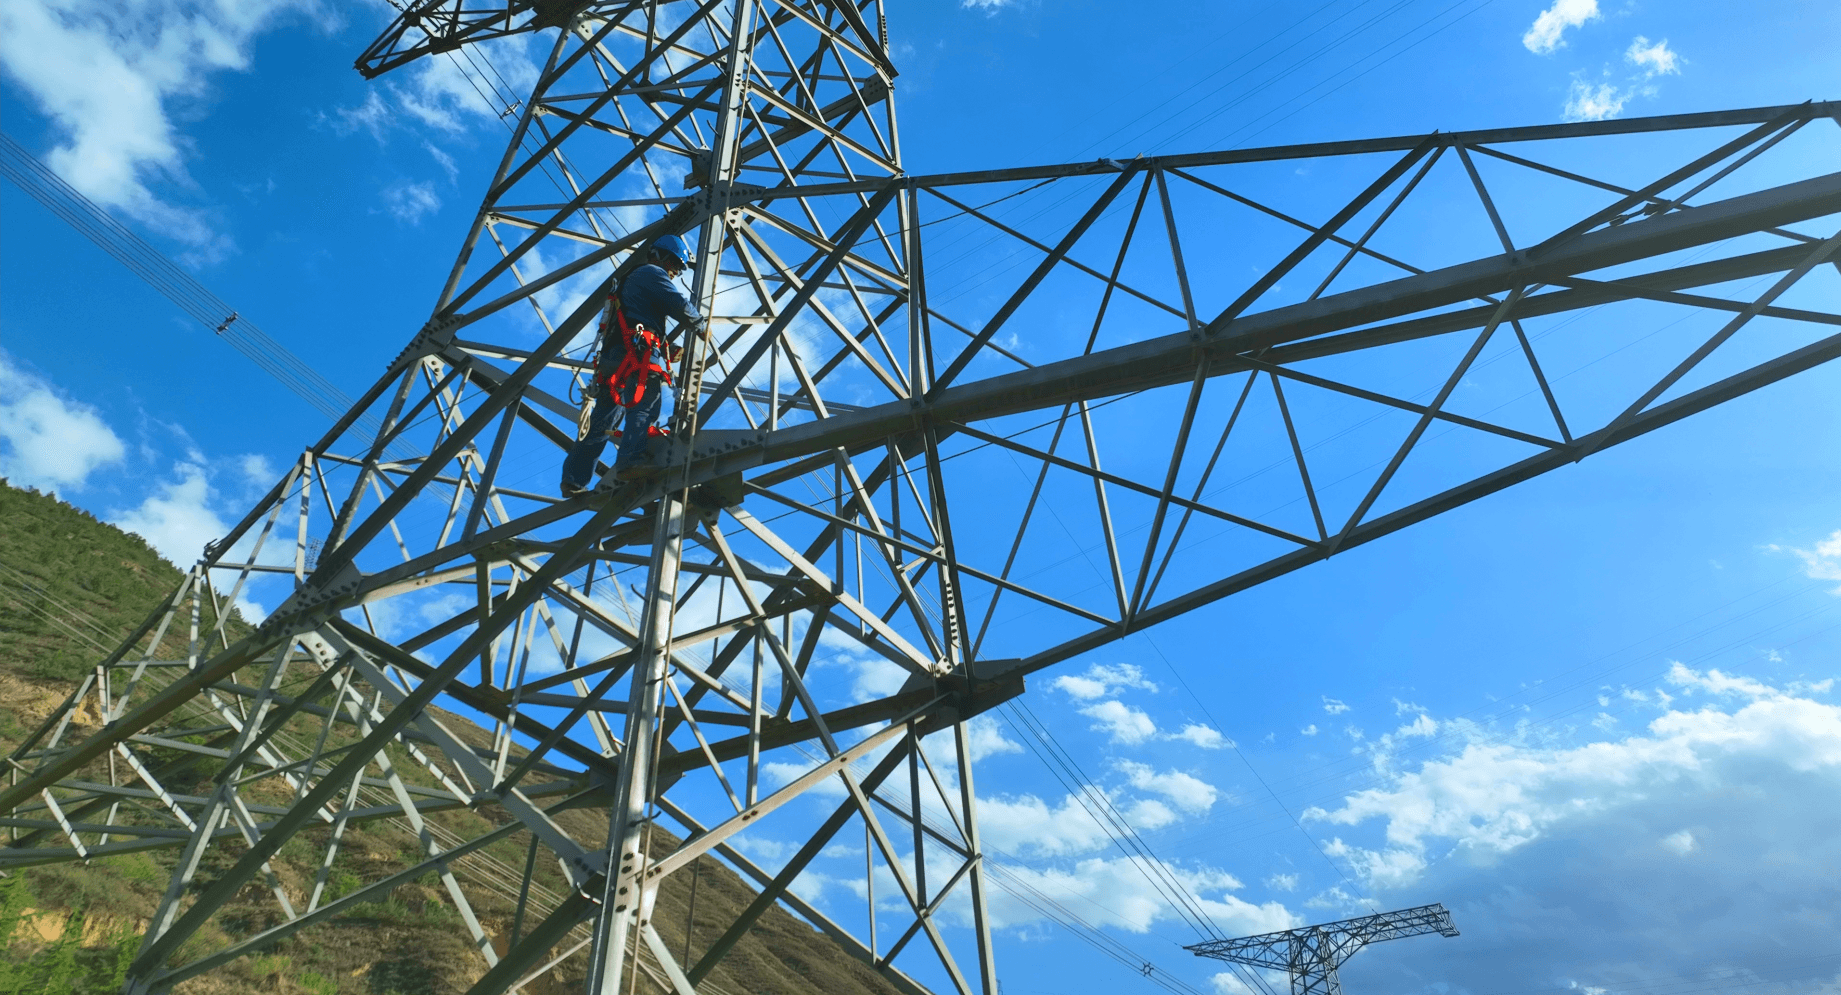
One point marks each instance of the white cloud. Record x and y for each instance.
(1494, 797)
(445, 161)
(985, 738)
(1027, 825)
(1187, 792)
(1102, 679)
(46, 439)
(1122, 722)
(410, 202)
(1201, 736)
(1601, 865)
(440, 92)
(1149, 814)
(1654, 60)
(106, 74)
(1334, 706)
(256, 469)
(1115, 892)
(1594, 101)
(1226, 983)
(1309, 730)
(176, 518)
(373, 116)
(1824, 561)
(1283, 882)
(1547, 32)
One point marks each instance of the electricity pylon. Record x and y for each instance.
(878, 519)
(1312, 955)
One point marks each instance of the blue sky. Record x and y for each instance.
(1592, 715)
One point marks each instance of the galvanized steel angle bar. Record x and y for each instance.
(890, 278)
(837, 765)
(1112, 282)
(846, 237)
(773, 890)
(1319, 235)
(1625, 290)
(843, 937)
(1754, 378)
(1395, 402)
(654, 53)
(1815, 258)
(1034, 279)
(1667, 180)
(1361, 244)
(1654, 201)
(607, 176)
(157, 950)
(321, 913)
(1504, 311)
(830, 135)
(1131, 485)
(906, 654)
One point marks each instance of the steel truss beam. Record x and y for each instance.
(845, 562)
(1313, 955)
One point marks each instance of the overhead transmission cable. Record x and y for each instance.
(1116, 826)
(1053, 909)
(60, 198)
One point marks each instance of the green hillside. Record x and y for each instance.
(71, 588)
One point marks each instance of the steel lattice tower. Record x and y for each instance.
(1314, 955)
(861, 475)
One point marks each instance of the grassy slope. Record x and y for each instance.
(70, 586)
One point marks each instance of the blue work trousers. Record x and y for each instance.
(578, 467)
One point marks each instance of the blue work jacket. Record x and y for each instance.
(649, 296)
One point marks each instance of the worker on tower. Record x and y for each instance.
(635, 364)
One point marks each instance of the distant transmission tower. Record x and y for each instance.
(931, 403)
(1311, 955)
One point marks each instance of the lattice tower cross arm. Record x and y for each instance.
(1312, 954)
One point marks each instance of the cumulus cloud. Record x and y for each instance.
(1588, 101)
(410, 202)
(1547, 33)
(1027, 825)
(1122, 722)
(1226, 983)
(1493, 796)
(1186, 791)
(1653, 60)
(1563, 862)
(47, 439)
(176, 519)
(1116, 893)
(108, 74)
(1824, 561)
(1202, 737)
(1102, 679)
(1309, 730)
(985, 738)
(1334, 706)
(372, 115)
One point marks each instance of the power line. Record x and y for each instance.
(70, 205)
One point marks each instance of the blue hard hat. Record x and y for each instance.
(673, 246)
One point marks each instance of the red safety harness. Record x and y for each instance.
(644, 347)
